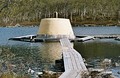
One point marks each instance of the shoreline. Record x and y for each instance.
(95, 23)
(74, 24)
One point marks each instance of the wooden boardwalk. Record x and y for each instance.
(107, 36)
(73, 61)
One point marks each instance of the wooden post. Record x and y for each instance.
(56, 14)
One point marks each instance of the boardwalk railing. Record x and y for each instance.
(73, 61)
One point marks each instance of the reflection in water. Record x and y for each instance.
(49, 52)
(19, 58)
(98, 48)
(103, 53)
(95, 52)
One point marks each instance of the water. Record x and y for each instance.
(96, 30)
(6, 33)
(20, 56)
(99, 48)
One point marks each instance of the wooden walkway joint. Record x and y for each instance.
(73, 61)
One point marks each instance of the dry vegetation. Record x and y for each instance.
(78, 11)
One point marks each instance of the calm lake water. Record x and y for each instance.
(20, 56)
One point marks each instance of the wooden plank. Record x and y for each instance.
(66, 43)
(77, 62)
(81, 61)
(71, 74)
(73, 62)
(67, 61)
(82, 64)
